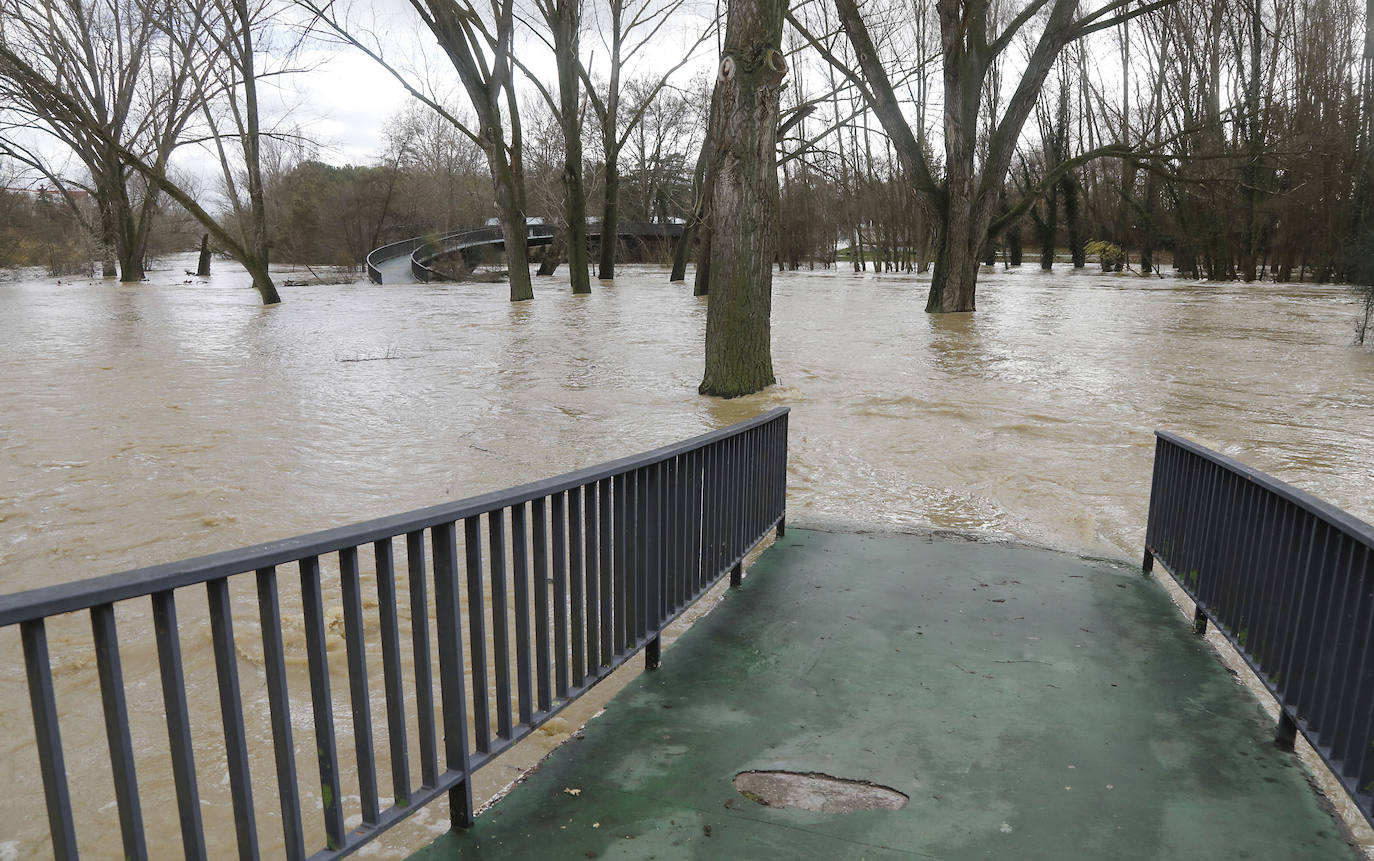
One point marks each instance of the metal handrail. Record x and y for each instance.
(624, 547)
(1288, 579)
(390, 252)
(426, 252)
(464, 240)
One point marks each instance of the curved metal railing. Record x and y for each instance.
(1289, 580)
(565, 579)
(390, 252)
(424, 250)
(464, 241)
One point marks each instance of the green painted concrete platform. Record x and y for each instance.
(1031, 704)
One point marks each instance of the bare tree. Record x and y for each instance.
(964, 201)
(478, 45)
(126, 85)
(632, 30)
(209, 49)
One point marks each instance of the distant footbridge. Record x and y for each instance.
(413, 260)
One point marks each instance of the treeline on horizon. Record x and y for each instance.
(1239, 125)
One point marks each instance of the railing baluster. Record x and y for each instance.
(695, 547)
(621, 590)
(719, 516)
(675, 528)
(736, 482)
(44, 704)
(279, 704)
(117, 731)
(1327, 645)
(603, 499)
(391, 672)
(593, 618)
(1244, 579)
(560, 596)
(500, 620)
(1265, 560)
(520, 576)
(419, 643)
(231, 713)
(322, 703)
(641, 551)
(632, 526)
(577, 624)
(1358, 683)
(447, 616)
(1339, 683)
(477, 634)
(356, 656)
(1294, 669)
(653, 549)
(178, 723)
(755, 485)
(541, 603)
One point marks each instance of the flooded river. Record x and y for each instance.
(146, 423)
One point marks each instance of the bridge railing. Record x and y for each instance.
(377, 256)
(541, 590)
(1289, 581)
(426, 253)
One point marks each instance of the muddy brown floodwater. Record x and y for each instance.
(146, 423)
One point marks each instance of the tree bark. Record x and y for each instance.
(203, 264)
(565, 39)
(744, 201)
(610, 218)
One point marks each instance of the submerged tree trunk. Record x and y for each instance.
(130, 245)
(203, 264)
(956, 260)
(610, 218)
(744, 201)
(567, 15)
(552, 256)
(512, 218)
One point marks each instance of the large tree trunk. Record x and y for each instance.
(109, 258)
(512, 219)
(575, 203)
(203, 263)
(955, 276)
(130, 244)
(963, 225)
(744, 201)
(610, 218)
